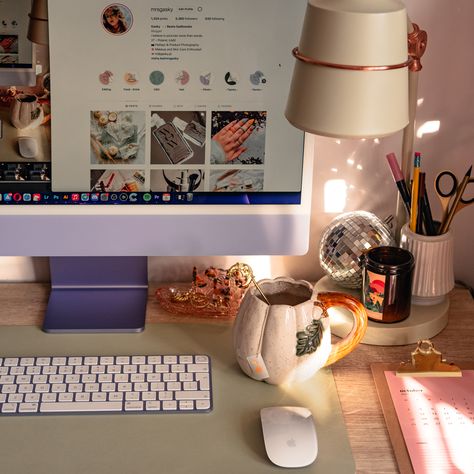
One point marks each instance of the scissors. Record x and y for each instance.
(455, 193)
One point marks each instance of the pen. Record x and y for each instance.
(421, 199)
(450, 214)
(430, 226)
(414, 192)
(399, 180)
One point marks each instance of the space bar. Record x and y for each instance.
(80, 406)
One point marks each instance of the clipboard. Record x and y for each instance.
(426, 361)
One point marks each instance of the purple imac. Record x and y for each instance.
(145, 160)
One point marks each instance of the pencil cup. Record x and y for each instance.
(433, 276)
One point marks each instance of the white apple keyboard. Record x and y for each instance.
(105, 384)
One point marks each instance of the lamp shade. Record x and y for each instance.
(351, 75)
(38, 26)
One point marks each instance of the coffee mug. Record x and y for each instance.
(25, 112)
(285, 336)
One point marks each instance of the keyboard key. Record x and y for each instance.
(132, 396)
(133, 406)
(99, 397)
(28, 407)
(115, 397)
(153, 405)
(186, 405)
(190, 386)
(170, 405)
(203, 404)
(27, 361)
(197, 395)
(15, 398)
(9, 407)
(198, 368)
(204, 381)
(80, 406)
(32, 397)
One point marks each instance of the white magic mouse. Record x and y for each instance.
(289, 434)
(28, 147)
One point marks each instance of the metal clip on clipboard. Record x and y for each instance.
(426, 361)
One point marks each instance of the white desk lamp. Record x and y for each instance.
(356, 72)
(356, 77)
(38, 25)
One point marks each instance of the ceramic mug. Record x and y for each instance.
(288, 338)
(25, 112)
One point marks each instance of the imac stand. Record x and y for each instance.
(97, 295)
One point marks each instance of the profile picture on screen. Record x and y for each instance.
(117, 19)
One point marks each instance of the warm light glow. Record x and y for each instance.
(420, 102)
(432, 126)
(334, 170)
(260, 264)
(376, 141)
(335, 195)
(350, 162)
(359, 167)
(458, 433)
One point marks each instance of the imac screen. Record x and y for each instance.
(156, 103)
(161, 131)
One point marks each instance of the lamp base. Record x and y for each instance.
(424, 322)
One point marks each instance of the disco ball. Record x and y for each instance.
(344, 241)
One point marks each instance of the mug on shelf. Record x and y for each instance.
(433, 276)
(288, 338)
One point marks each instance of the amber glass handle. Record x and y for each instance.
(348, 343)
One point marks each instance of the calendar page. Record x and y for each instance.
(436, 416)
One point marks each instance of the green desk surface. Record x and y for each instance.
(228, 440)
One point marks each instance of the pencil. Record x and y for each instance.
(414, 192)
(399, 180)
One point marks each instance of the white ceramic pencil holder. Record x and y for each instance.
(433, 276)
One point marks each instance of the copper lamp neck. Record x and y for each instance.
(417, 40)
